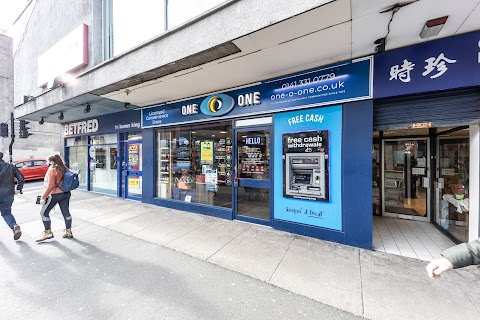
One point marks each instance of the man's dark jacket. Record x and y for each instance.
(9, 171)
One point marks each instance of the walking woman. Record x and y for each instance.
(53, 195)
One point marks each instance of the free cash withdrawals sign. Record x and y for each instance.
(333, 84)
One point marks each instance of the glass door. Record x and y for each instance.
(252, 175)
(406, 174)
(452, 186)
(133, 170)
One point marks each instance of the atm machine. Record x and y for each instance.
(305, 176)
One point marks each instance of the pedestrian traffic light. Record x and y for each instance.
(24, 129)
(4, 130)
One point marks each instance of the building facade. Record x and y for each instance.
(241, 110)
(46, 139)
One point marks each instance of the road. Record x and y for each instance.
(103, 274)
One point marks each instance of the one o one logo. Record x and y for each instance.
(217, 105)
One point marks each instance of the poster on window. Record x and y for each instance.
(211, 180)
(133, 157)
(305, 165)
(206, 152)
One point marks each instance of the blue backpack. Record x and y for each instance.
(70, 181)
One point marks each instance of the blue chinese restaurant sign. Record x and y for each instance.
(437, 65)
(334, 84)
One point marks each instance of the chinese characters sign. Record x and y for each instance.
(437, 65)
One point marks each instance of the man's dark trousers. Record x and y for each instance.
(6, 210)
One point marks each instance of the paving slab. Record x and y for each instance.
(397, 287)
(138, 223)
(256, 252)
(203, 242)
(109, 219)
(323, 271)
(172, 228)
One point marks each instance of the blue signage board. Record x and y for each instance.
(115, 122)
(436, 65)
(333, 84)
(309, 163)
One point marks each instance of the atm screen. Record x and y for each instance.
(305, 160)
(302, 178)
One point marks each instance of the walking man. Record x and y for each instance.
(8, 172)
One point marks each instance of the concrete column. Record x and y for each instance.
(474, 185)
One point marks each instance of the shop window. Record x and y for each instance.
(103, 153)
(134, 22)
(77, 159)
(127, 24)
(137, 135)
(180, 11)
(194, 164)
(78, 141)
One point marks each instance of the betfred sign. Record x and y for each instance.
(81, 127)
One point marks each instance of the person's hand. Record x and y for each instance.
(43, 201)
(438, 266)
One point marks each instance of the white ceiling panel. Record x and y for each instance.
(473, 21)
(319, 48)
(320, 18)
(362, 8)
(407, 23)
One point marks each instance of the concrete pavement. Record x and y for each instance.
(369, 284)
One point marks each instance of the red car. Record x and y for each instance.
(32, 169)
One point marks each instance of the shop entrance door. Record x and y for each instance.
(132, 170)
(252, 183)
(406, 185)
(452, 186)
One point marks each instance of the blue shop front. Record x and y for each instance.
(426, 134)
(106, 151)
(293, 153)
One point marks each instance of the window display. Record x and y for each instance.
(452, 192)
(194, 164)
(103, 152)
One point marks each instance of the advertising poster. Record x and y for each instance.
(206, 152)
(211, 180)
(307, 167)
(133, 157)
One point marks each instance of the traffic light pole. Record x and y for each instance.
(12, 135)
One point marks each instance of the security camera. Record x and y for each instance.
(380, 45)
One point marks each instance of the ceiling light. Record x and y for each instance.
(41, 121)
(223, 131)
(87, 108)
(433, 27)
(61, 117)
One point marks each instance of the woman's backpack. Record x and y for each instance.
(70, 181)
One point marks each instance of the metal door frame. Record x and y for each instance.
(437, 175)
(254, 183)
(429, 194)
